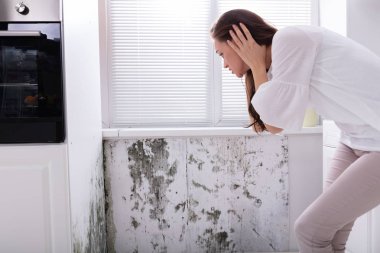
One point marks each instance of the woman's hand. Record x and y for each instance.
(246, 47)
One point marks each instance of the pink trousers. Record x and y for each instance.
(351, 188)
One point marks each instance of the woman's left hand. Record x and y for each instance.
(246, 47)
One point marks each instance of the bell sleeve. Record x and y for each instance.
(282, 101)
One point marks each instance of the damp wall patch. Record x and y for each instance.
(206, 194)
(93, 238)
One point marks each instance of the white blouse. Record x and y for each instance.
(339, 78)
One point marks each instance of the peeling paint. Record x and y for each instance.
(149, 159)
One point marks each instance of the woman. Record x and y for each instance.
(299, 66)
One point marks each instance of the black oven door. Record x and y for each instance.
(31, 93)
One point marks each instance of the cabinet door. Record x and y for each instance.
(34, 197)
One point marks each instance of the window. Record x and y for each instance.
(163, 70)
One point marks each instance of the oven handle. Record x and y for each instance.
(20, 34)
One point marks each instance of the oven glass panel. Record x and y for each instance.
(31, 75)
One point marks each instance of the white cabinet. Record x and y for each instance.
(34, 214)
(362, 238)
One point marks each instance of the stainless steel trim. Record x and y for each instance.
(20, 34)
(38, 11)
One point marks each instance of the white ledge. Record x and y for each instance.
(125, 133)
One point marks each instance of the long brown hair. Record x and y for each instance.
(262, 33)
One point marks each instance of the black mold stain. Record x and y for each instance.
(180, 205)
(110, 227)
(149, 160)
(213, 215)
(193, 202)
(282, 180)
(163, 224)
(173, 169)
(215, 242)
(192, 160)
(96, 230)
(193, 217)
(285, 155)
(248, 194)
(134, 222)
(234, 186)
(219, 186)
(216, 169)
(257, 233)
(154, 245)
(235, 213)
(182, 233)
(257, 202)
(136, 206)
(221, 238)
(259, 236)
(198, 185)
(157, 248)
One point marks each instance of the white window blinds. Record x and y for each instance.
(161, 67)
(159, 62)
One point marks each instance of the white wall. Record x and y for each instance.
(83, 114)
(333, 15)
(363, 19)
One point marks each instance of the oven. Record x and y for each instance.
(31, 75)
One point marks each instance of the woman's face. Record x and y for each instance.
(231, 59)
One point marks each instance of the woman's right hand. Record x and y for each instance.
(247, 48)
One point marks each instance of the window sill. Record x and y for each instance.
(125, 133)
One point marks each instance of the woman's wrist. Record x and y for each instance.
(259, 75)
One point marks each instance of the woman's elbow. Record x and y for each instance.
(273, 129)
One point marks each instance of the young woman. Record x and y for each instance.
(299, 66)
